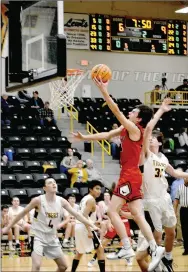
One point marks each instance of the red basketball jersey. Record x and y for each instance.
(130, 153)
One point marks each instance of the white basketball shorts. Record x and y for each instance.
(84, 244)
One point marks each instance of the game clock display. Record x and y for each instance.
(167, 37)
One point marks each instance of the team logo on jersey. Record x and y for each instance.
(124, 190)
(51, 215)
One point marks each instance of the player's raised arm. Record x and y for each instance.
(78, 137)
(35, 202)
(126, 123)
(77, 215)
(165, 107)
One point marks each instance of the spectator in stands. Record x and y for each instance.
(175, 185)
(46, 115)
(184, 88)
(5, 110)
(36, 102)
(4, 158)
(14, 210)
(155, 95)
(115, 143)
(70, 226)
(78, 174)
(5, 222)
(93, 173)
(182, 137)
(68, 161)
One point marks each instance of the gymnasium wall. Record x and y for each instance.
(133, 74)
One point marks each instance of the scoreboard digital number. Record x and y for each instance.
(100, 32)
(177, 37)
(167, 37)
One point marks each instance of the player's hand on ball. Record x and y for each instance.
(75, 137)
(166, 104)
(101, 85)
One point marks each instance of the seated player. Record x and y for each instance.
(23, 225)
(111, 234)
(70, 226)
(4, 223)
(85, 238)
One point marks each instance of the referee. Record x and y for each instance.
(182, 200)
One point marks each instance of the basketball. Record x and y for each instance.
(101, 71)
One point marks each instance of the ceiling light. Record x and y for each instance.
(183, 10)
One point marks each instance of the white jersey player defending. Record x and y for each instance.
(47, 218)
(86, 239)
(157, 200)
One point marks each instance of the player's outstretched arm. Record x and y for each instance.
(78, 137)
(130, 126)
(77, 215)
(35, 202)
(165, 107)
(176, 173)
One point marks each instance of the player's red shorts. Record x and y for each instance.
(112, 234)
(129, 184)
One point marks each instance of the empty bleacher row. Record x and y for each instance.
(26, 194)
(93, 110)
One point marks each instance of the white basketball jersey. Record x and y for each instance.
(154, 182)
(48, 217)
(93, 215)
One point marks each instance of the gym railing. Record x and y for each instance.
(156, 97)
(105, 149)
(73, 113)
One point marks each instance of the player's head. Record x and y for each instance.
(185, 81)
(156, 140)
(35, 94)
(72, 199)
(114, 126)
(70, 152)
(95, 188)
(15, 202)
(107, 196)
(50, 185)
(4, 210)
(142, 114)
(46, 105)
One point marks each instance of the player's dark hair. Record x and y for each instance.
(44, 181)
(94, 183)
(146, 113)
(4, 207)
(160, 137)
(71, 195)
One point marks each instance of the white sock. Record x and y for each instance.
(10, 243)
(168, 255)
(126, 242)
(65, 241)
(152, 245)
(17, 241)
(72, 239)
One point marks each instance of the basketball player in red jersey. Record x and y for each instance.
(128, 188)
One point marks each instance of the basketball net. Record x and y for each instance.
(62, 90)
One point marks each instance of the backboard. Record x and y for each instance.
(43, 53)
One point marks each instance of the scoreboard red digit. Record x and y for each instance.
(167, 37)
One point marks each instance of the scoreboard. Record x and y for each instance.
(121, 34)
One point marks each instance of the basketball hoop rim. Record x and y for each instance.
(73, 72)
